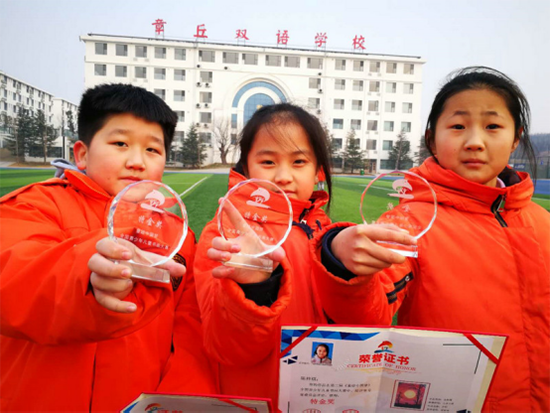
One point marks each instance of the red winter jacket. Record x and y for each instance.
(243, 337)
(479, 270)
(60, 350)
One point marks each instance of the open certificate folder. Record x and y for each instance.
(351, 369)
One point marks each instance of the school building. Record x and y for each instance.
(217, 87)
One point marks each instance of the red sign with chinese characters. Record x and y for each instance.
(159, 26)
(241, 34)
(358, 42)
(320, 39)
(282, 38)
(201, 32)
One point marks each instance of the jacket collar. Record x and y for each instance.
(466, 195)
(83, 183)
(317, 200)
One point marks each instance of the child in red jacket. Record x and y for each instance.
(60, 349)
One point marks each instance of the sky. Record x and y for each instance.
(39, 39)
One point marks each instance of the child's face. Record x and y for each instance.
(127, 149)
(475, 135)
(321, 352)
(288, 160)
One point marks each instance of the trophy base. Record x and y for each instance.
(410, 251)
(250, 263)
(146, 272)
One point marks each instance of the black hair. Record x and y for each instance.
(100, 103)
(322, 345)
(479, 78)
(287, 113)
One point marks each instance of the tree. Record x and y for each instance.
(222, 138)
(423, 152)
(334, 149)
(400, 152)
(44, 134)
(71, 125)
(353, 155)
(193, 150)
(21, 139)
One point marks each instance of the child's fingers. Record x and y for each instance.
(382, 233)
(217, 255)
(174, 268)
(113, 250)
(235, 217)
(278, 255)
(223, 272)
(111, 285)
(107, 268)
(114, 304)
(220, 244)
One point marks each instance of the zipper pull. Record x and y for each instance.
(502, 203)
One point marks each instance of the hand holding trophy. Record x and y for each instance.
(400, 198)
(256, 215)
(150, 218)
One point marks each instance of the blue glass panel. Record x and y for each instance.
(252, 85)
(255, 102)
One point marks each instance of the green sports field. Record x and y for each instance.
(201, 200)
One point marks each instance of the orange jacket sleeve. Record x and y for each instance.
(189, 369)
(366, 300)
(236, 330)
(44, 277)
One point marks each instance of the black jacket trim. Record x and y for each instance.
(399, 285)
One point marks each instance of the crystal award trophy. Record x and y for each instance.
(257, 215)
(403, 199)
(151, 220)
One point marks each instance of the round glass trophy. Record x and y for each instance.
(149, 218)
(403, 199)
(257, 215)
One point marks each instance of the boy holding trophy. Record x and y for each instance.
(62, 350)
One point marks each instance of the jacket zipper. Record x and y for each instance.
(497, 208)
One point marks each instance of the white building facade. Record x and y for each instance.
(16, 93)
(209, 84)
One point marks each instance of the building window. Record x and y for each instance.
(391, 67)
(206, 77)
(206, 137)
(357, 105)
(374, 67)
(121, 49)
(250, 58)
(179, 74)
(387, 145)
(314, 103)
(161, 93)
(337, 142)
(405, 127)
(407, 107)
(141, 51)
(371, 144)
(387, 164)
(338, 124)
(409, 69)
(234, 121)
(160, 74)
(179, 136)
(230, 57)
(408, 88)
(358, 85)
(340, 84)
(272, 60)
(373, 106)
(292, 61)
(206, 117)
(356, 124)
(314, 83)
(314, 63)
(141, 72)
(179, 54)
(390, 107)
(358, 65)
(207, 56)
(206, 97)
(388, 126)
(338, 103)
(340, 64)
(391, 87)
(121, 71)
(101, 48)
(372, 125)
(181, 116)
(160, 52)
(374, 87)
(99, 70)
(179, 95)
(234, 139)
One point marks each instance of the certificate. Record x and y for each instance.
(351, 369)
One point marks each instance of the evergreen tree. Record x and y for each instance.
(71, 126)
(21, 139)
(44, 134)
(353, 155)
(400, 152)
(423, 152)
(193, 150)
(334, 149)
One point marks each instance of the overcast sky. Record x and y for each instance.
(39, 39)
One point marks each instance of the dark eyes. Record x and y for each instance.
(457, 127)
(119, 144)
(153, 150)
(460, 127)
(493, 126)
